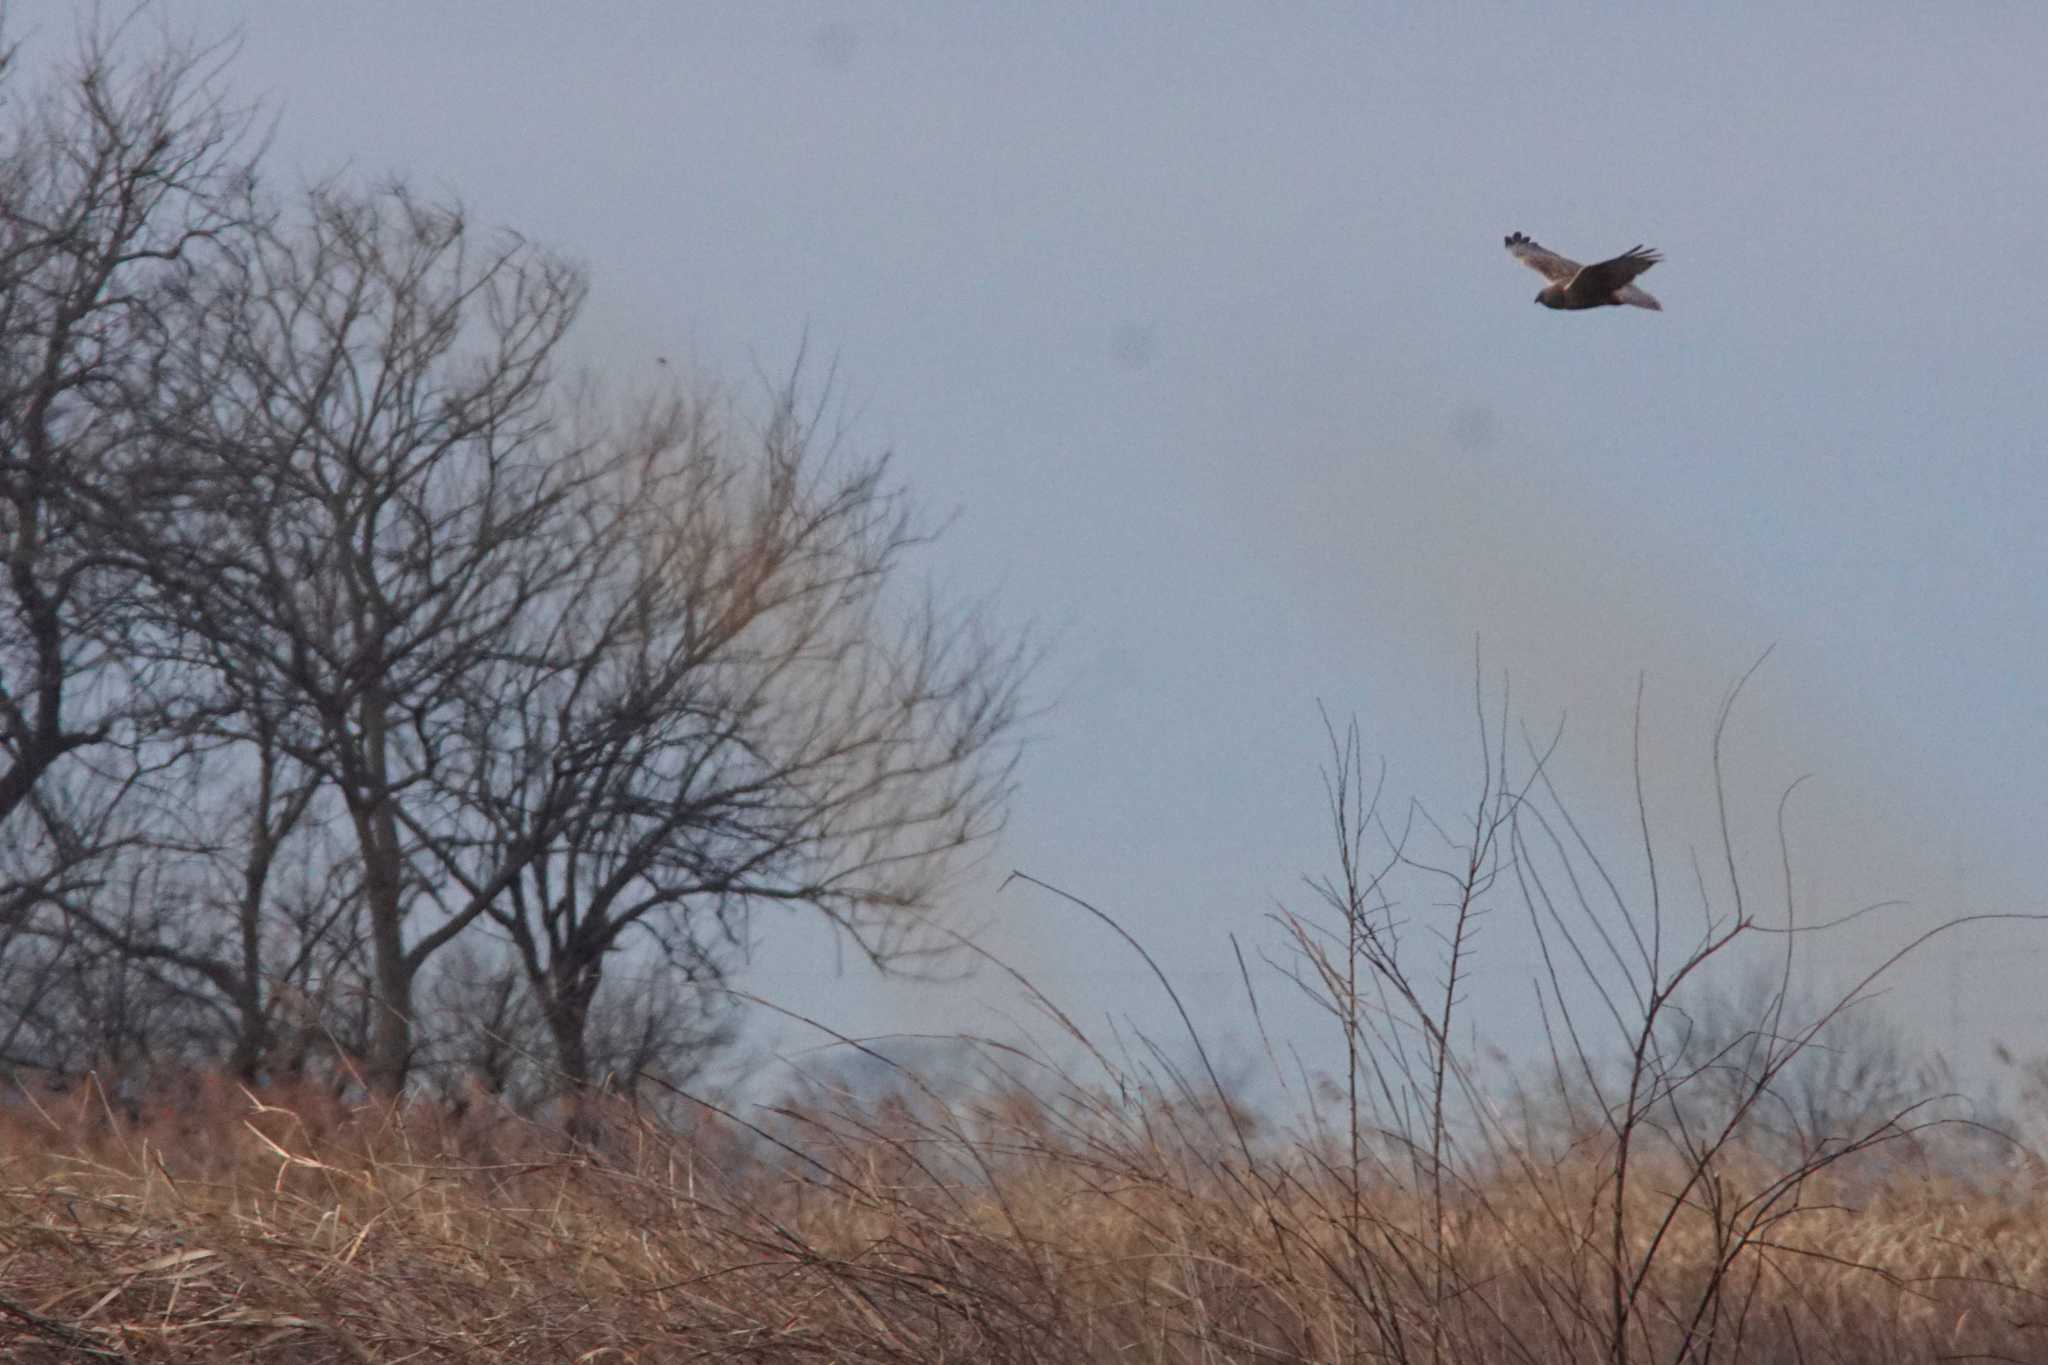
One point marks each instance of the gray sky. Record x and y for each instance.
(1199, 316)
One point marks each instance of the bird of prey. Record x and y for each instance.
(1603, 284)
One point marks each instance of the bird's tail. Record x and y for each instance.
(1641, 298)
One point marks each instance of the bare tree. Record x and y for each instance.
(581, 679)
(1857, 1066)
(1662, 1090)
(108, 180)
(306, 536)
(487, 1033)
(115, 176)
(228, 892)
(378, 494)
(740, 712)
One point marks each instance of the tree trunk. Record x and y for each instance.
(252, 1033)
(571, 986)
(391, 1031)
(390, 1056)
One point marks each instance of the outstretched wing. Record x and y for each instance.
(1607, 277)
(1548, 264)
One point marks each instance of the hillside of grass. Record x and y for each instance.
(1014, 1224)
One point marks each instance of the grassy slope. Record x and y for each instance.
(293, 1228)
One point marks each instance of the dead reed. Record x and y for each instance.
(1008, 1226)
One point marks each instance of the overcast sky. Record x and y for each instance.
(1197, 315)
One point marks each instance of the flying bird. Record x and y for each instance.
(1601, 285)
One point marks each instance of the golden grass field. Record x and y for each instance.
(219, 1224)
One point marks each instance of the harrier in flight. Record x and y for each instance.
(1603, 284)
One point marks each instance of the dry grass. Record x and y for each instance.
(1667, 1196)
(1011, 1227)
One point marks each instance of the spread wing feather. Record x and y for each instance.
(1548, 264)
(1607, 277)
